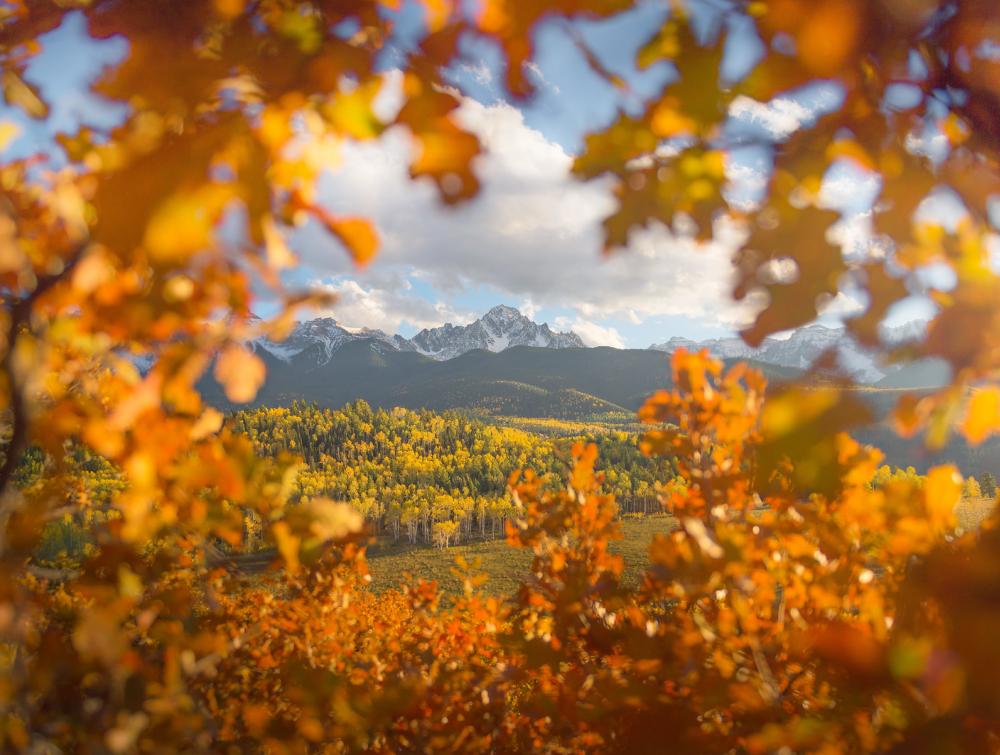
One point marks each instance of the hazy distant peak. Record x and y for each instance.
(800, 350)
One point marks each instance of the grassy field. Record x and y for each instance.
(505, 566)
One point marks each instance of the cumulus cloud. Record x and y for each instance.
(386, 303)
(780, 117)
(533, 235)
(841, 306)
(591, 333)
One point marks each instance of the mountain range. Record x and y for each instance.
(802, 347)
(499, 329)
(527, 381)
(506, 365)
(318, 341)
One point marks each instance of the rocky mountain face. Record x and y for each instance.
(316, 342)
(801, 349)
(323, 337)
(500, 328)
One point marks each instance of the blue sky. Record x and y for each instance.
(531, 240)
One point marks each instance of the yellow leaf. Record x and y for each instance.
(21, 94)
(8, 132)
(183, 224)
(331, 520)
(279, 256)
(241, 373)
(288, 545)
(982, 416)
(98, 635)
(942, 492)
(307, 528)
(350, 113)
(93, 271)
(276, 127)
(208, 423)
(437, 13)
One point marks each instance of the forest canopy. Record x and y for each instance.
(797, 607)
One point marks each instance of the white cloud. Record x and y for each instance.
(478, 71)
(533, 235)
(386, 304)
(780, 117)
(591, 333)
(528, 308)
(841, 306)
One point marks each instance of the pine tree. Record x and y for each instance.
(988, 485)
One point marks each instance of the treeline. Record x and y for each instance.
(416, 476)
(92, 484)
(435, 478)
(984, 486)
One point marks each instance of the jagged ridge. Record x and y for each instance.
(801, 349)
(499, 329)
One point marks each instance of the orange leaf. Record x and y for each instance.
(241, 373)
(943, 490)
(288, 546)
(982, 417)
(357, 234)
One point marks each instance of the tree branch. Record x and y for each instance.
(20, 314)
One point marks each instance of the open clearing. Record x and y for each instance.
(506, 566)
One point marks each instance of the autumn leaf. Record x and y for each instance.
(803, 598)
(209, 422)
(184, 224)
(21, 94)
(308, 528)
(241, 373)
(358, 235)
(279, 255)
(8, 133)
(982, 415)
(942, 491)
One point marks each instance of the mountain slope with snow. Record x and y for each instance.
(317, 341)
(323, 337)
(801, 350)
(499, 329)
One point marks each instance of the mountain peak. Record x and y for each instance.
(799, 350)
(503, 310)
(500, 328)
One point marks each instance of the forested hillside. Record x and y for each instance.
(416, 477)
(434, 478)
(521, 381)
(598, 386)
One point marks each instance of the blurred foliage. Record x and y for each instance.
(796, 607)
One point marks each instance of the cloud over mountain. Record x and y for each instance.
(533, 235)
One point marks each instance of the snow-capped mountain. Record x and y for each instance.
(324, 337)
(499, 329)
(802, 348)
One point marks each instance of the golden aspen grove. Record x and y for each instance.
(805, 597)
